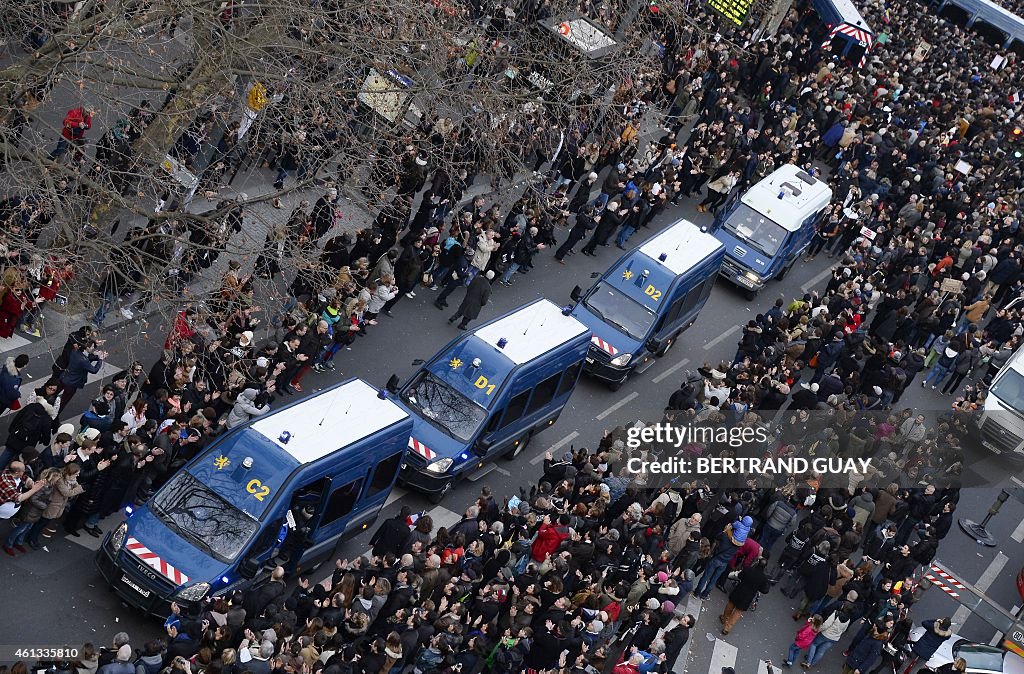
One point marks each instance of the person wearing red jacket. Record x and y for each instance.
(182, 329)
(76, 123)
(549, 537)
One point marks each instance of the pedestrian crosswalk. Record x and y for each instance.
(13, 343)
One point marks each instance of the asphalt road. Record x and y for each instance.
(60, 597)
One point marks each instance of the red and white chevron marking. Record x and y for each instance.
(603, 345)
(152, 560)
(421, 449)
(952, 580)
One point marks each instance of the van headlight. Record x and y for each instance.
(440, 466)
(117, 537)
(194, 592)
(751, 276)
(619, 361)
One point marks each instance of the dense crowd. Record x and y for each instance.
(589, 572)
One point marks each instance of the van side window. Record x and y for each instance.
(569, 378)
(694, 297)
(515, 408)
(544, 392)
(342, 500)
(384, 474)
(495, 422)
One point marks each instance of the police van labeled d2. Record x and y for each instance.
(638, 308)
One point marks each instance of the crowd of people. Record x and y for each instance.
(589, 572)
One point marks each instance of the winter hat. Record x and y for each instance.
(689, 575)
(635, 511)
(245, 339)
(124, 654)
(741, 528)
(662, 576)
(877, 390)
(668, 607)
(653, 604)
(66, 428)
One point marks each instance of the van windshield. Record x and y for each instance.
(444, 407)
(758, 230)
(620, 311)
(194, 512)
(1010, 389)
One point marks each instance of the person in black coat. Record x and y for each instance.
(676, 638)
(391, 534)
(478, 293)
(586, 221)
(752, 580)
(613, 216)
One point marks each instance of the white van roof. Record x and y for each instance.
(531, 332)
(330, 421)
(803, 195)
(683, 244)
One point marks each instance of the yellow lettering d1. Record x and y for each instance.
(481, 382)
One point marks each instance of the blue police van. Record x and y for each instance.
(283, 489)
(770, 226)
(487, 392)
(638, 308)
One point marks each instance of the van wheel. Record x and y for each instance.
(616, 385)
(439, 496)
(517, 449)
(751, 295)
(665, 347)
(785, 270)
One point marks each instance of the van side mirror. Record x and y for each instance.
(576, 294)
(392, 385)
(481, 447)
(249, 568)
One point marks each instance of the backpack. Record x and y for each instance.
(30, 424)
(671, 513)
(148, 668)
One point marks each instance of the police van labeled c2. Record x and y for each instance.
(638, 308)
(283, 489)
(488, 391)
(770, 226)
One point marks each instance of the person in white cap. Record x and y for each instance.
(121, 664)
(478, 294)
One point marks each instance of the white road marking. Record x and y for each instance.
(995, 567)
(443, 517)
(1018, 533)
(1020, 483)
(724, 335)
(85, 540)
(487, 470)
(555, 447)
(669, 372)
(396, 494)
(818, 278)
(624, 401)
(13, 342)
(762, 668)
(106, 370)
(723, 655)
